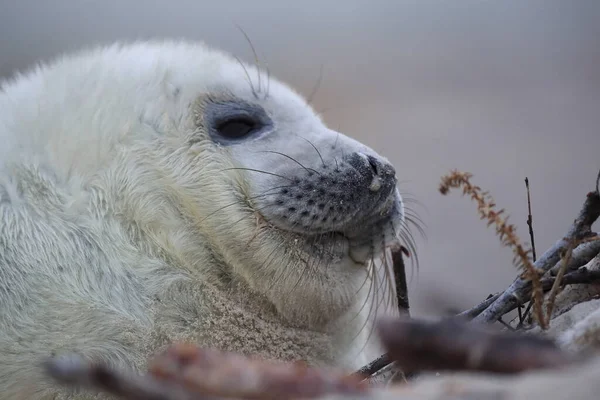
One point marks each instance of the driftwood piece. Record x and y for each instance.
(75, 372)
(455, 345)
(582, 254)
(223, 374)
(185, 371)
(516, 293)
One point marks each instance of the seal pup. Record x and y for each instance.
(163, 190)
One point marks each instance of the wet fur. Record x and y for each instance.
(123, 228)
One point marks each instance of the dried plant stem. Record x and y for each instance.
(561, 272)
(557, 281)
(506, 231)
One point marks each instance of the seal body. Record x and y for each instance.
(164, 191)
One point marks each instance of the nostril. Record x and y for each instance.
(374, 165)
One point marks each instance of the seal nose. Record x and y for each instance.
(380, 175)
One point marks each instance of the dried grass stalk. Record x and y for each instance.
(506, 232)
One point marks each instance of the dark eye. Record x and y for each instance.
(236, 128)
(233, 121)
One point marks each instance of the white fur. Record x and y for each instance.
(118, 236)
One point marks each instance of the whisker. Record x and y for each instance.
(268, 82)
(413, 219)
(316, 86)
(314, 147)
(256, 60)
(390, 277)
(265, 193)
(247, 76)
(291, 158)
(258, 170)
(375, 303)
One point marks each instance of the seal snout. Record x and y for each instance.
(378, 174)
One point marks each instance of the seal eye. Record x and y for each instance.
(233, 121)
(236, 128)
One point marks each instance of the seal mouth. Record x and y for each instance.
(361, 240)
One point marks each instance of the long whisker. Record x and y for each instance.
(268, 82)
(258, 170)
(374, 305)
(247, 76)
(390, 278)
(265, 193)
(316, 87)
(256, 60)
(291, 158)
(314, 147)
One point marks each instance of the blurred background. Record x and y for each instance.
(502, 89)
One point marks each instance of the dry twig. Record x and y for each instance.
(530, 220)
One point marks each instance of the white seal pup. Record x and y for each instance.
(163, 191)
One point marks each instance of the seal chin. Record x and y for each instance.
(368, 239)
(360, 241)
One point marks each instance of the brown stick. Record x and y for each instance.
(452, 344)
(74, 371)
(186, 372)
(400, 279)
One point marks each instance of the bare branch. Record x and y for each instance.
(583, 254)
(517, 291)
(580, 276)
(479, 308)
